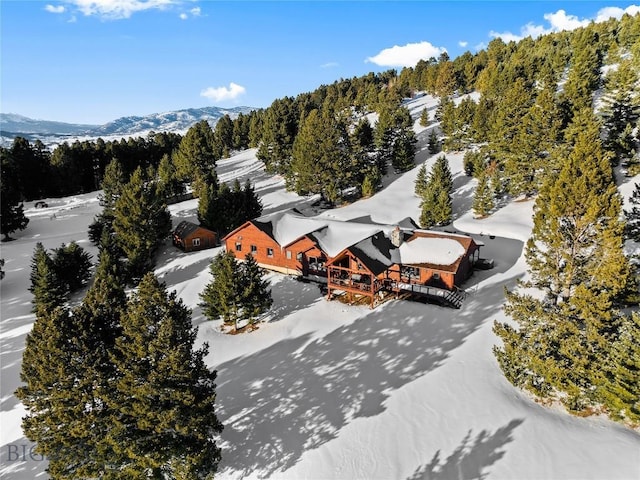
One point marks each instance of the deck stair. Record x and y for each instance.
(452, 298)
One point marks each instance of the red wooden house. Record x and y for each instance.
(190, 237)
(359, 258)
(420, 263)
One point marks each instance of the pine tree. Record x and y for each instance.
(197, 155)
(620, 389)
(210, 213)
(632, 227)
(222, 297)
(164, 421)
(576, 261)
(256, 296)
(424, 118)
(319, 156)
(49, 421)
(72, 265)
(48, 290)
(483, 201)
(168, 181)
(435, 192)
(422, 181)
(433, 144)
(12, 215)
(141, 223)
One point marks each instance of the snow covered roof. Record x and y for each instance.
(435, 251)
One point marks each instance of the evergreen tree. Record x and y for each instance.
(48, 290)
(113, 183)
(436, 206)
(483, 201)
(251, 205)
(422, 181)
(197, 155)
(222, 297)
(72, 265)
(256, 296)
(320, 157)
(210, 211)
(576, 260)
(424, 118)
(433, 144)
(12, 215)
(632, 227)
(49, 421)
(2, 273)
(164, 421)
(620, 389)
(141, 223)
(168, 181)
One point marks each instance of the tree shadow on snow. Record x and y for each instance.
(299, 393)
(471, 458)
(291, 295)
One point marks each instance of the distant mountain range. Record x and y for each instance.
(179, 121)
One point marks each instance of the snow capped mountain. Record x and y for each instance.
(177, 121)
(51, 133)
(11, 122)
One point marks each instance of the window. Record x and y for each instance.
(195, 242)
(411, 272)
(270, 252)
(254, 249)
(238, 247)
(299, 256)
(436, 275)
(288, 254)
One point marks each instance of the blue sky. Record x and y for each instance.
(92, 61)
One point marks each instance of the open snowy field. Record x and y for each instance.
(324, 390)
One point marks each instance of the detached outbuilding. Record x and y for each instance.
(190, 237)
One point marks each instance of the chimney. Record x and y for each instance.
(396, 237)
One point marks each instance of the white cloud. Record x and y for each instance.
(561, 21)
(220, 94)
(196, 11)
(329, 65)
(462, 43)
(119, 9)
(184, 16)
(406, 56)
(54, 9)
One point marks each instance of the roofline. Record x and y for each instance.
(232, 232)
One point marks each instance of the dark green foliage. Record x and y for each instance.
(222, 298)
(422, 181)
(163, 400)
(197, 155)
(473, 163)
(483, 199)
(256, 294)
(433, 144)
(238, 291)
(320, 157)
(2, 272)
(576, 261)
(168, 182)
(632, 227)
(72, 265)
(141, 223)
(12, 216)
(46, 286)
(435, 192)
(620, 390)
(48, 381)
(222, 209)
(424, 118)
(395, 139)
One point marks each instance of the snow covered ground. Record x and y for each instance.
(329, 391)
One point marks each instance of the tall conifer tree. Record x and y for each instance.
(165, 424)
